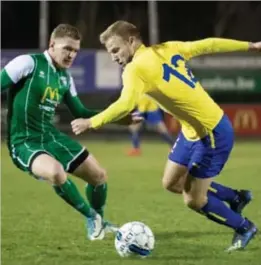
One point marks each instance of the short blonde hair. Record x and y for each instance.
(120, 28)
(66, 30)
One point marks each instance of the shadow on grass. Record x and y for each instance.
(186, 234)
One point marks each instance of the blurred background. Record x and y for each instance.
(233, 80)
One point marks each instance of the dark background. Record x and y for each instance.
(183, 21)
(177, 20)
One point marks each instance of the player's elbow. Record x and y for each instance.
(128, 106)
(76, 113)
(212, 44)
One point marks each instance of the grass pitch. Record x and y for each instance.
(39, 228)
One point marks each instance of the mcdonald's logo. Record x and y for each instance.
(246, 119)
(52, 94)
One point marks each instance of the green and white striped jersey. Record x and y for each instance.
(37, 88)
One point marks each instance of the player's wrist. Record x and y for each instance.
(90, 123)
(251, 46)
(255, 46)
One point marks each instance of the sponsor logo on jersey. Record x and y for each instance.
(51, 95)
(47, 108)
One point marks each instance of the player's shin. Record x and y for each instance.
(69, 193)
(135, 139)
(61, 193)
(218, 212)
(167, 138)
(97, 196)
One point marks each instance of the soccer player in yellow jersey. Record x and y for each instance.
(206, 137)
(152, 115)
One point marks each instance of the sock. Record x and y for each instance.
(69, 193)
(218, 212)
(135, 139)
(96, 196)
(167, 138)
(60, 192)
(222, 192)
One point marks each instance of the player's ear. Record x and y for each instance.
(51, 43)
(131, 39)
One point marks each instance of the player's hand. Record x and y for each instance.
(80, 125)
(255, 46)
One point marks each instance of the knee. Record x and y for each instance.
(101, 177)
(162, 129)
(195, 202)
(57, 174)
(168, 185)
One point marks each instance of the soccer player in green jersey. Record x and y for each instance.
(37, 84)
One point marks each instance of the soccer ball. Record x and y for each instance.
(134, 239)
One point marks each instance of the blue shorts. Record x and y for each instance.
(206, 157)
(152, 117)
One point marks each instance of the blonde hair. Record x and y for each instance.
(66, 30)
(122, 29)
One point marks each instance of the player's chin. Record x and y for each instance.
(66, 64)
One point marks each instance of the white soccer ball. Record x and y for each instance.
(134, 239)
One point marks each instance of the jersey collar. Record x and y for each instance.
(49, 59)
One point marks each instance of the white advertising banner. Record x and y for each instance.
(107, 73)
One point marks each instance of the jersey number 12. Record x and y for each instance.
(171, 70)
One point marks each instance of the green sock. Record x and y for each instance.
(69, 193)
(60, 192)
(97, 197)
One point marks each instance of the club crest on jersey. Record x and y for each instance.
(41, 74)
(51, 95)
(63, 80)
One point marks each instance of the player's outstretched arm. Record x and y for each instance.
(77, 109)
(15, 70)
(74, 104)
(256, 46)
(215, 45)
(114, 112)
(133, 87)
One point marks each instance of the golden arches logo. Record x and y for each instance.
(52, 94)
(246, 119)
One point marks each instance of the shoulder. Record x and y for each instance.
(130, 70)
(20, 67)
(24, 59)
(21, 63)
(170, 45)
(173, 43)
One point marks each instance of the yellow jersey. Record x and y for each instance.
(146, 104)
(161, 72)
